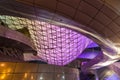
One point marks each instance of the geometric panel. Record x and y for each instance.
(55, 44)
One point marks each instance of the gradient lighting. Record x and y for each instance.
(55, 44)
(90, 52)
(92, 45)
(112, 77)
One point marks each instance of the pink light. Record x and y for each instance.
(54, 44)
(60, 45)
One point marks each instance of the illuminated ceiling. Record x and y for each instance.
(55, 44)
(93, 14)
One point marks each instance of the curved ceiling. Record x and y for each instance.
(94, 14)
(55, 44)
(114, 5)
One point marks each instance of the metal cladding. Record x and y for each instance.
(54, 44)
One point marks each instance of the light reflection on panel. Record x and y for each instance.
(6, 76)
(55, 44)
(7, 67)
(60, 76)
(45, 76)
(25, 76)
(26, 71)
(26, 67)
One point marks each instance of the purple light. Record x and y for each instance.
(89, 54)
(92, 45)
(58, 45)
(54, 44)
(113, 77)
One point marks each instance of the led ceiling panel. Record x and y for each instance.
(55, 44)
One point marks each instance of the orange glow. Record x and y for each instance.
(3, 76)
(9, 70)
(31, 77)
(25, 75)
(2, 65)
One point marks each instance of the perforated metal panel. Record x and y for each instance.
(55, 44)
